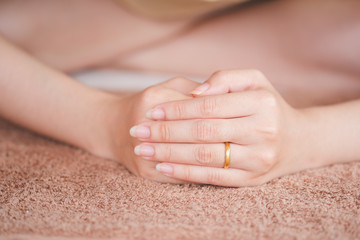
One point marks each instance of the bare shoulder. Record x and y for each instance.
(74, 34)
(301, 46)
(326, 32)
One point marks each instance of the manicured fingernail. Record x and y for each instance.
(144, 150)
(200, 89)
(140, 132)
(165, 169)
(157, 114)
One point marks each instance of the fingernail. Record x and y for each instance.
(165, 169)
(157, 114)
(200, 89)
(144, 150)
(140, 132)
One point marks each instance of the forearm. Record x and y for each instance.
(49, 102)
(334, 133)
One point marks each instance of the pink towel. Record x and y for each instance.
(49, 190)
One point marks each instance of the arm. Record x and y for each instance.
(334, 132)
(49, 102)
(268, 137)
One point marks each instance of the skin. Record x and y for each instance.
(268, 140)
(301, 47)
(268, 137)
(36, 97)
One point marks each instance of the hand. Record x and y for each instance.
(131, 111)
(266, 134)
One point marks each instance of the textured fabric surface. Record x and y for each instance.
(49, 190)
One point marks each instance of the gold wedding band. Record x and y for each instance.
(227, 155)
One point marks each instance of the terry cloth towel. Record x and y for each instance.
(49, 190)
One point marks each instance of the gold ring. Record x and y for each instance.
(227, 155)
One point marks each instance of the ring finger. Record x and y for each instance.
(210, 155)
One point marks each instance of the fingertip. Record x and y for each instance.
(132, 131)
(148, 114)
(165, 169)
(156, 114)
(200, 89)
(137, 150)
(144, 150)
(140, 132)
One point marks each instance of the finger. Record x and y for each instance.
(180, 84)
(152, 174)
(153, 96)
(233, 81)
(209, 175)
(158, 94)
(220, 106)
(210, 155)
(237, 130)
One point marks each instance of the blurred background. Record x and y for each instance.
(123, 80)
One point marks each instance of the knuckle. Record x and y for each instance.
(257, 74)
(149, 93)
(267, 160)
(267, 98)
(204, 130)
(179, 110)
(168, 155)
(270, 133)
(269, 127)
(187, 174)
(177, 80)
(203, 155)
(220, 74)
(164, 132)
(208, 105)
(214, 177)
(256, 77)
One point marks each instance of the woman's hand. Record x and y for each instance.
(130, 111)
(266, 135)
(51, 103)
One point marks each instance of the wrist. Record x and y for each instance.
(311, 134)
(326, 137)
(107, 126)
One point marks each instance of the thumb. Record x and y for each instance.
(180, 84)
(228, 81)
(162, 94)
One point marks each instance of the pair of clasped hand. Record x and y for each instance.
(179, 135)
